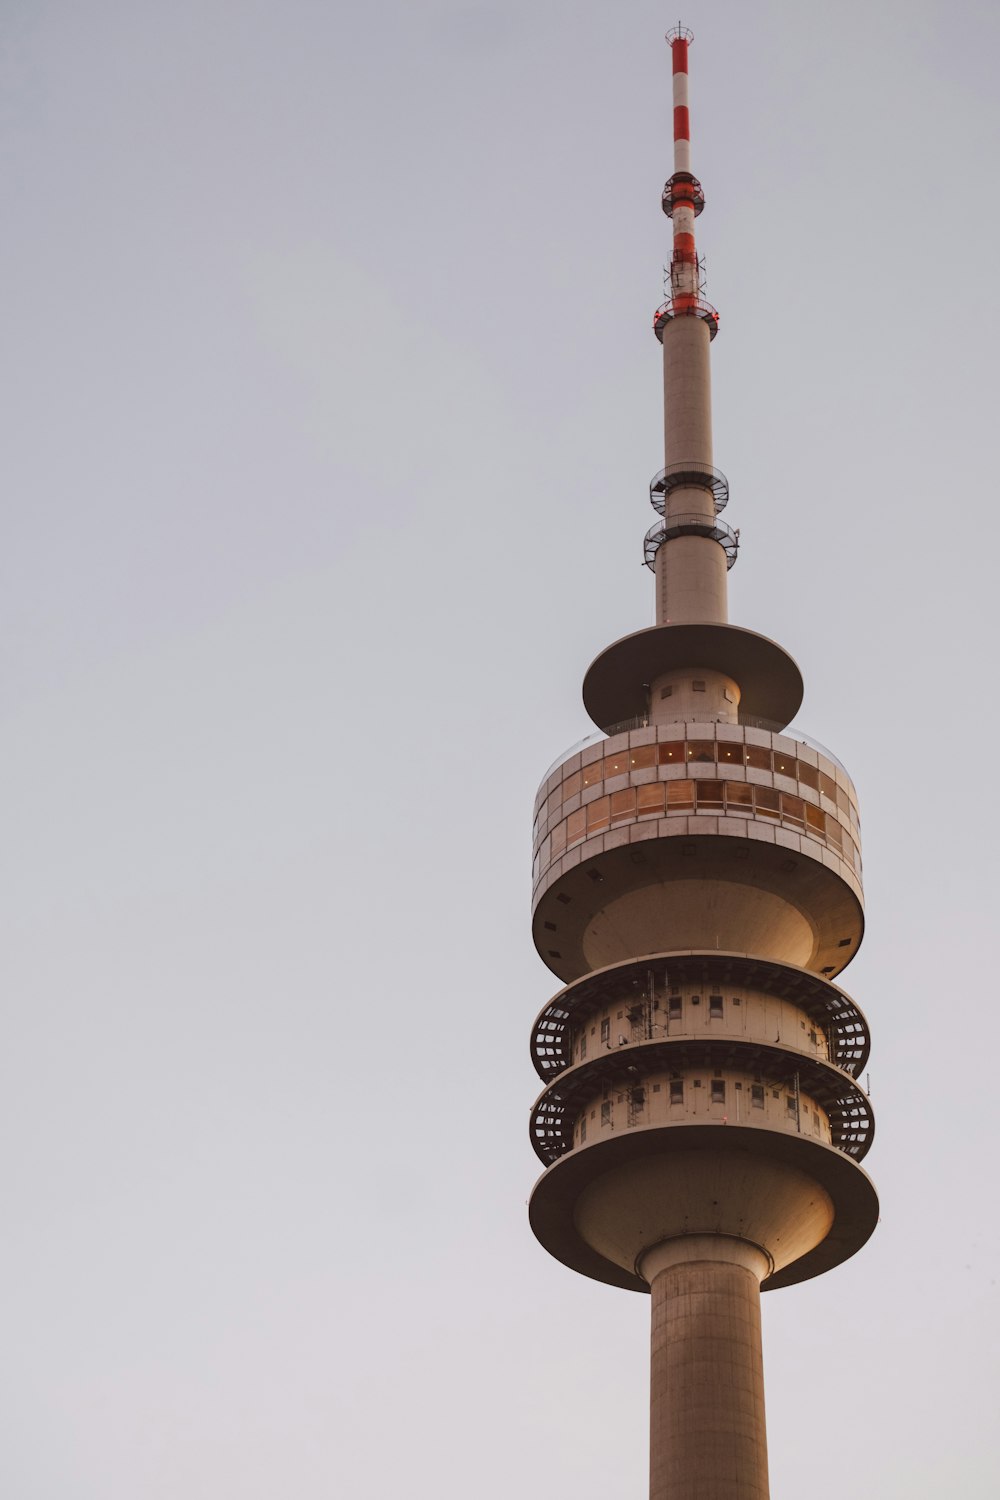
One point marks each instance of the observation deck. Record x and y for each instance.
(690, 836)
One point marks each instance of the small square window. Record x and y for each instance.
(697, 686)
(656, 1088)
(666, 692)
(697, 1083)
(737, 1000)
(695, 999)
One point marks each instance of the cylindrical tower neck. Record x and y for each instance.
(707, 1432)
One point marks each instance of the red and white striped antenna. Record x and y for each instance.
(683, 200)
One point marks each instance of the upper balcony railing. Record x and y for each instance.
(643, 721)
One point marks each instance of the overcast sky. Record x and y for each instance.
(330, 402)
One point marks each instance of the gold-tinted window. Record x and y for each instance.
(623, 804)
(616, 765)
(650, 799)
(785, 765)
(709, 795)
(680, 796)
(642, 757)
(833, 835)
(702, 751)
(597, 814)
(809, 776)
(571, 786)
(576, 825)
(739, 794)
(758, 757)
(828, 786)
(671, 752)
(729, 755)
(558, 839)
(792, 809)
(766, 801)
(815, 818)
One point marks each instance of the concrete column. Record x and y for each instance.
(691, 582)
(707, 1436)
(687, 392)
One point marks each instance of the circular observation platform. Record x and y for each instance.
(688, 476)
(674, 526)
(685, 307)
(776, 1069)
(601, 1207)
(616, 685)
(682, 190)
(643, 987)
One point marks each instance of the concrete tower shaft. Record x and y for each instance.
(697, 888)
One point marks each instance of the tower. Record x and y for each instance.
(697, 888)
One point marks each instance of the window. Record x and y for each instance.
(695, 999)
(642, 757)
(576, 825)
(790, 1105)
(571, 786)
(739, 794)
(666, 692)
(757, 1095)
(757, 757)
(674, 1008)
(715, 1007)
(766, 801)
(677, 1091)
(785, 765)
(709, 796)
(597, 814)
(616, 765)
(697, 1083)
(680, 796)
(697, 686)
(809, 776)
(792, 809)
(656, 1088)
(606, 1030)
(583, 1045)
(718, 1091)
(671, 752)
(828, 786)
(702, 751)
(815, 819)
(650, 800)
(737, 1000)
(583, 1129)
(623, 804)
(606, 1112)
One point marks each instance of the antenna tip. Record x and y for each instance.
(680, 34)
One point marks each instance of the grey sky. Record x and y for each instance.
(330, 405)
